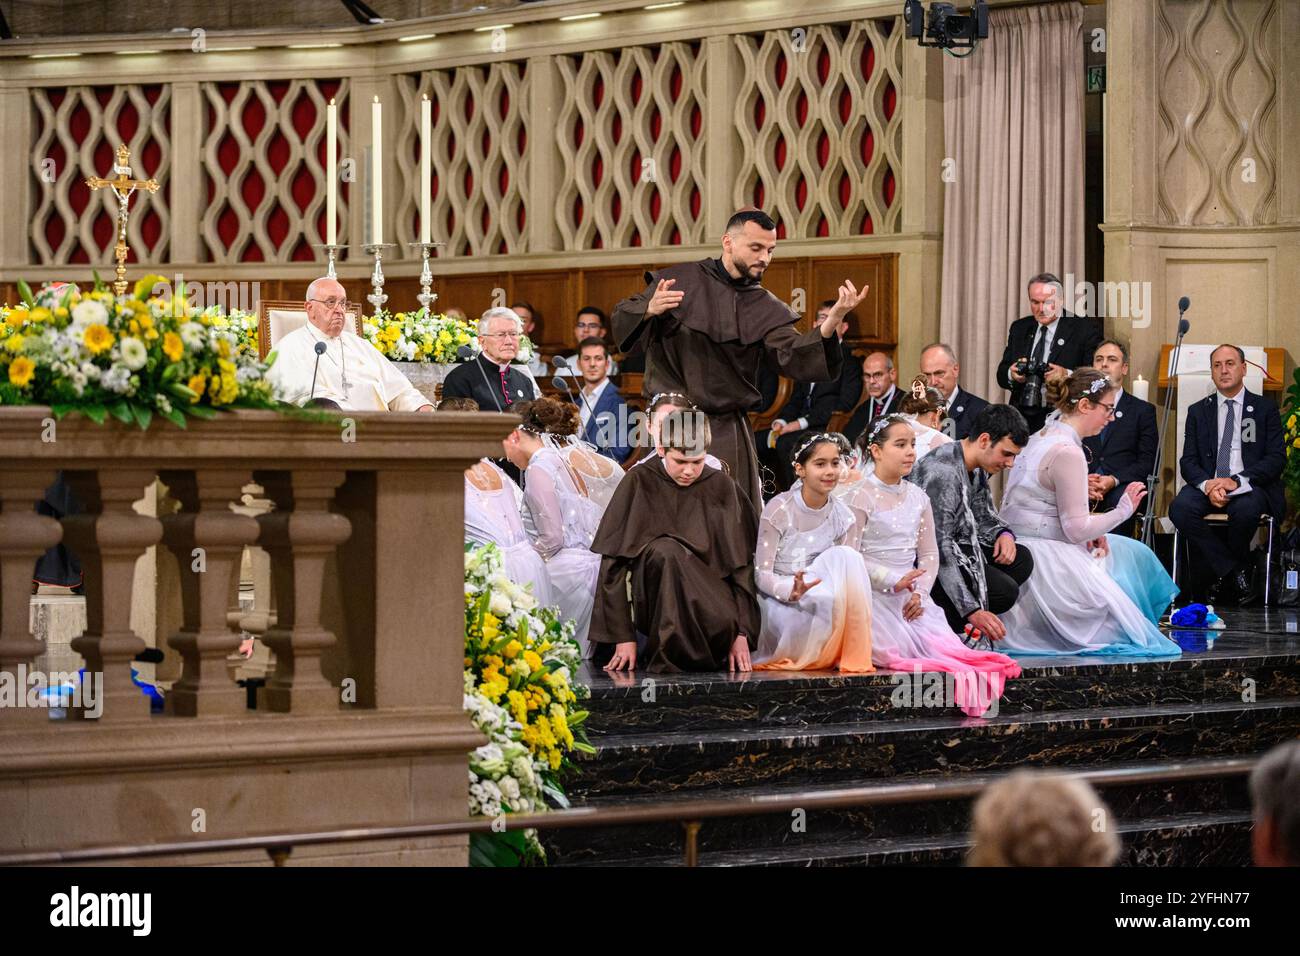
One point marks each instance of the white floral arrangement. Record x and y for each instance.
(520, 659)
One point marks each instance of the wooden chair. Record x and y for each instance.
(276, 318)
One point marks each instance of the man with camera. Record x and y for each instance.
(1049, 343)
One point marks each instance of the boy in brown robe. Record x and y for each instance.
(686, 534)
(705, 326)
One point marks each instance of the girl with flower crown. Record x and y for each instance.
(812, 583)
(894, 532)
(1091, 592)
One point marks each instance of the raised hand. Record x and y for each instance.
(906, 582)
(664, 298)
(849, 299)
(802, 587)
(1135, 492)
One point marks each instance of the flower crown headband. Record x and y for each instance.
(880, 424)
(1099, 385)
(685, 402)
(832, 437)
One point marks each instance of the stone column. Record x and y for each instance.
(300, 534)
(108, 538)
(24, 537)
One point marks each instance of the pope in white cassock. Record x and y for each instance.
(351, 372)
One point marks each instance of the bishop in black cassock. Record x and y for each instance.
(705, 327)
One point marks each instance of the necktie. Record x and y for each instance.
(1223, 464)
(505, 391)
(1040, 348)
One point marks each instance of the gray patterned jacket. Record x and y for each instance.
(964, 517)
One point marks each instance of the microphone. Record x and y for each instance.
(1183, 325)
(320, 350)
(1149, 519)
(466, 354)
(558, 381)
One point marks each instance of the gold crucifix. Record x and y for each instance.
(123, 187)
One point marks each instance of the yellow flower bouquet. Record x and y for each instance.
(132, 357)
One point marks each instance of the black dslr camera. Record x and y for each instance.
(1031, 396)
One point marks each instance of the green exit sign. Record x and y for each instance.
(1096, 82)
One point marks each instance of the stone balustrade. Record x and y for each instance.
(361, 718)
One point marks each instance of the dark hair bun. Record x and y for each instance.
(550, 416)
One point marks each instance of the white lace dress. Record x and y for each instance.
(1072, 603)
(492, 516)
(566, 491)
(895, 528)
(830, 625)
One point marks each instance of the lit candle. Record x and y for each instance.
(426, 181)
(331, 173)
(377, 173)
(1141, 389)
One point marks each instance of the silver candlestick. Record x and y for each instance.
(331, 253)
(426, 298)
(377, 298)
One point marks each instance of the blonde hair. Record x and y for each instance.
(1039, 818)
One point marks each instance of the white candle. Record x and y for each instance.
(377, 174)
(426, 180)
(1142, 389)
(331, 173)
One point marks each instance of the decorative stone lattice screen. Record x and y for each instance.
(810, 129)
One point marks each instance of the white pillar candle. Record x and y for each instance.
(426, 179)
(331, 173)
(377, 173)
(1141, 389)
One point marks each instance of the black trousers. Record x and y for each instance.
(1003, 584)
(1222, 553)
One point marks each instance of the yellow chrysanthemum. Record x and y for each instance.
(21, 371)
(40, 314)
(17, 317)
(173, 347)
(14, 343)
(98, 338)
(533, 660)
(198, 384)
(512, 650)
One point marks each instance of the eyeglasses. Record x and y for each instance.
(499, 335)
(589, 325)
(332, 304)
(1110, 409)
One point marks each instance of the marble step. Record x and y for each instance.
(1191, 839)
(635, 764)
(911, 821)
(679, 703)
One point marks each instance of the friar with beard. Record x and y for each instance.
(705, 327)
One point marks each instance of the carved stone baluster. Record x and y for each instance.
(206, 525)
(299, 535)
(24, 537)
(108, 538)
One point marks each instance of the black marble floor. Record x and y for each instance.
(681, 736)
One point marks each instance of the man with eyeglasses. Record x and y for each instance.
(1125, 451)
(590, 325)
(347, 372)
(493, 379)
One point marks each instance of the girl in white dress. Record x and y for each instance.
(811, 581)
(1073, 602)
(567, 486)
(924, 409)
(894, 526)
(492, 516)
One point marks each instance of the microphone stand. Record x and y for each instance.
(467, 353)
(1149, 519)
(559, 382)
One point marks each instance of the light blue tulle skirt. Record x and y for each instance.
(1144, 579)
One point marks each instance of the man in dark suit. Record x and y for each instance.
(1125, 451)
(851, 371)
(939, 365)
(1049, 334)
(1233, 456)
(880, 379)
(490, 379)
(600, 404)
